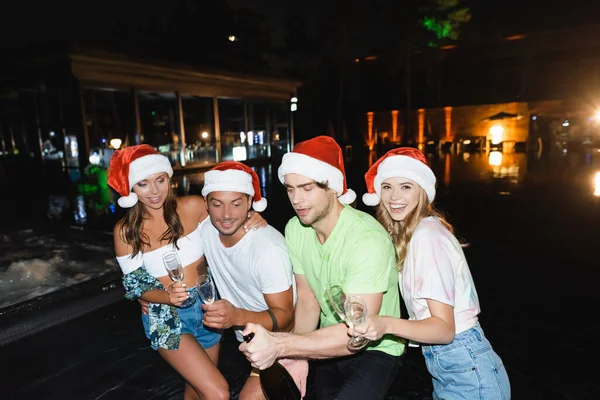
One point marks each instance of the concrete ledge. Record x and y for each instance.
(30, 317)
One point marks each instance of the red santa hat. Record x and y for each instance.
(320, 159)
(233, 176)
(403, 162)
(132, 165)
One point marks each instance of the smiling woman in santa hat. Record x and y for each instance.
(157, 225)
(435, 282)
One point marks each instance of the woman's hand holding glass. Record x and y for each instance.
(373, 328)
(177, 291)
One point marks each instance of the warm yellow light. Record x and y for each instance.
(232, 38)
(495, 158)
(204, 135)
(116, 143)
(497, 132)
(597, 116)
(597, 184)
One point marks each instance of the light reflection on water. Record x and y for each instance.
(32, 265)
(480, 168)
(518, 171)
(505, 171)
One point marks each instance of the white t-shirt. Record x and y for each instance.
(258, 264)
(436, 268)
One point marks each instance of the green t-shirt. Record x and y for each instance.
(360, 253)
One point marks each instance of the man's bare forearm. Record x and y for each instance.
(284, 318)
(319, 344)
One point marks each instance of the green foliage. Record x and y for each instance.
(444, 19)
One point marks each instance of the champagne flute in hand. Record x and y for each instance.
(356, 314)
(337, 299)
(206, 289)
(175, 271)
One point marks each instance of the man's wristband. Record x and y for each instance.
(275, 325)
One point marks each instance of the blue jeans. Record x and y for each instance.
(467, 368)
(191, 323)
(363, 376)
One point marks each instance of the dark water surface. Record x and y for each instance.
(533, 230)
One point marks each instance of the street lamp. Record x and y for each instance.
(116, 143)
(497, 132)
(204, 135)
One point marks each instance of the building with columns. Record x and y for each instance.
(75, 108)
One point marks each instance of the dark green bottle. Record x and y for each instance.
(276, 381)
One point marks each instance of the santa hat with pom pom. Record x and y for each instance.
(320, 159)
(132, 165)
(233, 176)
(403, 162)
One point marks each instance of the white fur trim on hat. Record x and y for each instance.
(232, 180)
(128, 201)
(348, 197)
(402, 167)
(143, 167)
(319, 171)
(260, 206)
(371, 199)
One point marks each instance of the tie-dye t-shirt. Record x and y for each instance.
(436, 268)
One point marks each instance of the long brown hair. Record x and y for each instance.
(132, 225)
(401, 231)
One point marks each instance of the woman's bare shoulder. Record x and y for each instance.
(121, 247)
(192, 207)
(191, 200)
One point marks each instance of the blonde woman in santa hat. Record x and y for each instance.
(158, 222)
(435, 282)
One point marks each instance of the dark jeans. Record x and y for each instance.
(363, 376)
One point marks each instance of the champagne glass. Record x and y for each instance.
(175, 271)
(356, 314)
(206, 288)
(338, 300)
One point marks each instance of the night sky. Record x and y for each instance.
(197, 31)
(313, 41)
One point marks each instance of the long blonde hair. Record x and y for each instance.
(401, 232)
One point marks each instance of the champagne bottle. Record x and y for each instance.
(276, 381)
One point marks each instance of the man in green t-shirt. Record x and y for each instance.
(330, 242)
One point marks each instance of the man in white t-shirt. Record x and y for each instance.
(251, 269)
